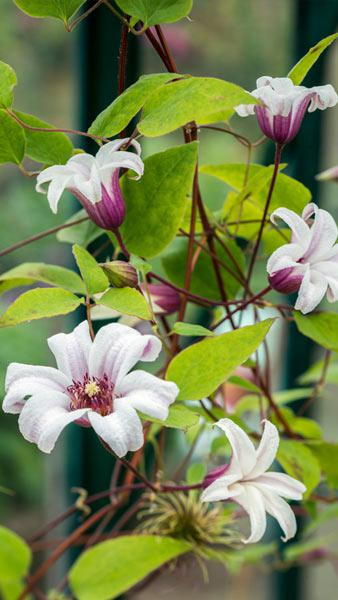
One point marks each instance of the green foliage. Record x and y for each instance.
(153, 12)
(126, 301)
(60, 9)
(299, 71)
(38, 304)
(315, 372)
(119, 113)
(12, 140)
(210, 362)
(29, 273)
(294, 552)
(93, 275)
(15, 560)
(190, 329)
(8, 81)
(180, 417)
(195, 99)
(320, 327)
(156, 203)
(110, 568)
(82, 234)
(50, 148)
(250, 402)
(327, 455)
(196, 473)
(307, 428)
(203, 281)
(299, 462)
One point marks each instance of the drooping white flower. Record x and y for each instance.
(309, 264)
(246, 482)
(92, 386)
(285, 105)
(94, 181)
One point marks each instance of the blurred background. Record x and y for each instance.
(238, 40)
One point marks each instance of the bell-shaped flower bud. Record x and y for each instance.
(120, 273)
(165, 300)
(94, 181)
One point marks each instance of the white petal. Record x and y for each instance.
(266, 451)
(219, 489)
(71, 351)
(81, 164)
(117, 348)
(285, 256)
(44, 417)
(300, 230)
(55, 172)
(105, 152)
(281, 484)
(243, 450)
(60, 178)
(89, 187)
(323, 233)
(121, 430)
(251, 499)
(25, 380)
(245, 110)
(330, 271)
(325, 97)
(282, 512)
(311, 291)
(148, 393)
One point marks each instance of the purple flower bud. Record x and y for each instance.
(110, 211)
(165, 300)
(120, 273)
(286, 280)
(213, 475)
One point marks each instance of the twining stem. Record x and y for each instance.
(278, 155)
(166, 48)
(319, 384)
(84, 15)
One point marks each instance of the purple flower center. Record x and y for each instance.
(94, 393)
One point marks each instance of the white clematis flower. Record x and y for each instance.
(246, 482)
(285, 105)
(309, 264)
(92, 386)
(94, 181)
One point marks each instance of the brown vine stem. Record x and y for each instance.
(84, 15)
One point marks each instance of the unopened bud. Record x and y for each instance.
(165, 300)
(120, 274)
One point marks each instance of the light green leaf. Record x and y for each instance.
(320, 327)
(201, 368)
(195, 99)
(93, 275)
(190, 329)
(327, 455)
(119, 113)
(60, 9)
(110, 568)
(28, 273)
(299, 462)
(82, 234)
(15, 556)
(12, 140)
(180, 417)
(39, 304)
(196, 473)
(245, 384)
(203, 281)
(299, 71)
(315, 372)
(304, 426)
(153, 12)
(50, 148)
(8, 81)
(127, 301)
(250, 402)
(156, 203)
(296, 551)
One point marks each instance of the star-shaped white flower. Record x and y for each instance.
(92, 386)
(246, 482)
(309, 264)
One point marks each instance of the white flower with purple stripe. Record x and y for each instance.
(309, 264)
(92, 386)
(246, 482)
(94, 181)
(285, 105)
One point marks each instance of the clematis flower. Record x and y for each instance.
(285, 105)
(92, 386)
(246, 482)
(164, 299)
(309, 263)
(94, 181)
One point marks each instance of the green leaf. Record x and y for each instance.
(245, 384)
(320, 327)
(110, 568)
(203, 281)
(28, 273)
(156, 203)
(327, 455)
(315, 372)
(201, 368)
(299, 71)
(190, 329)
(296, 551)
(12, 140)
(95, 279)
(250, 402)
(180, 417)
(119, 113)
(82, 234)
(15, 557)
(50, 148)
(299, 462)
(8, 81)
(196, 473)
(307, 428)
(195, 99)
(326, 514)
(153, 12)
(60, 9)
(38, 304)
(127, 301)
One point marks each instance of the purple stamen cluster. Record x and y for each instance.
(94, 393)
